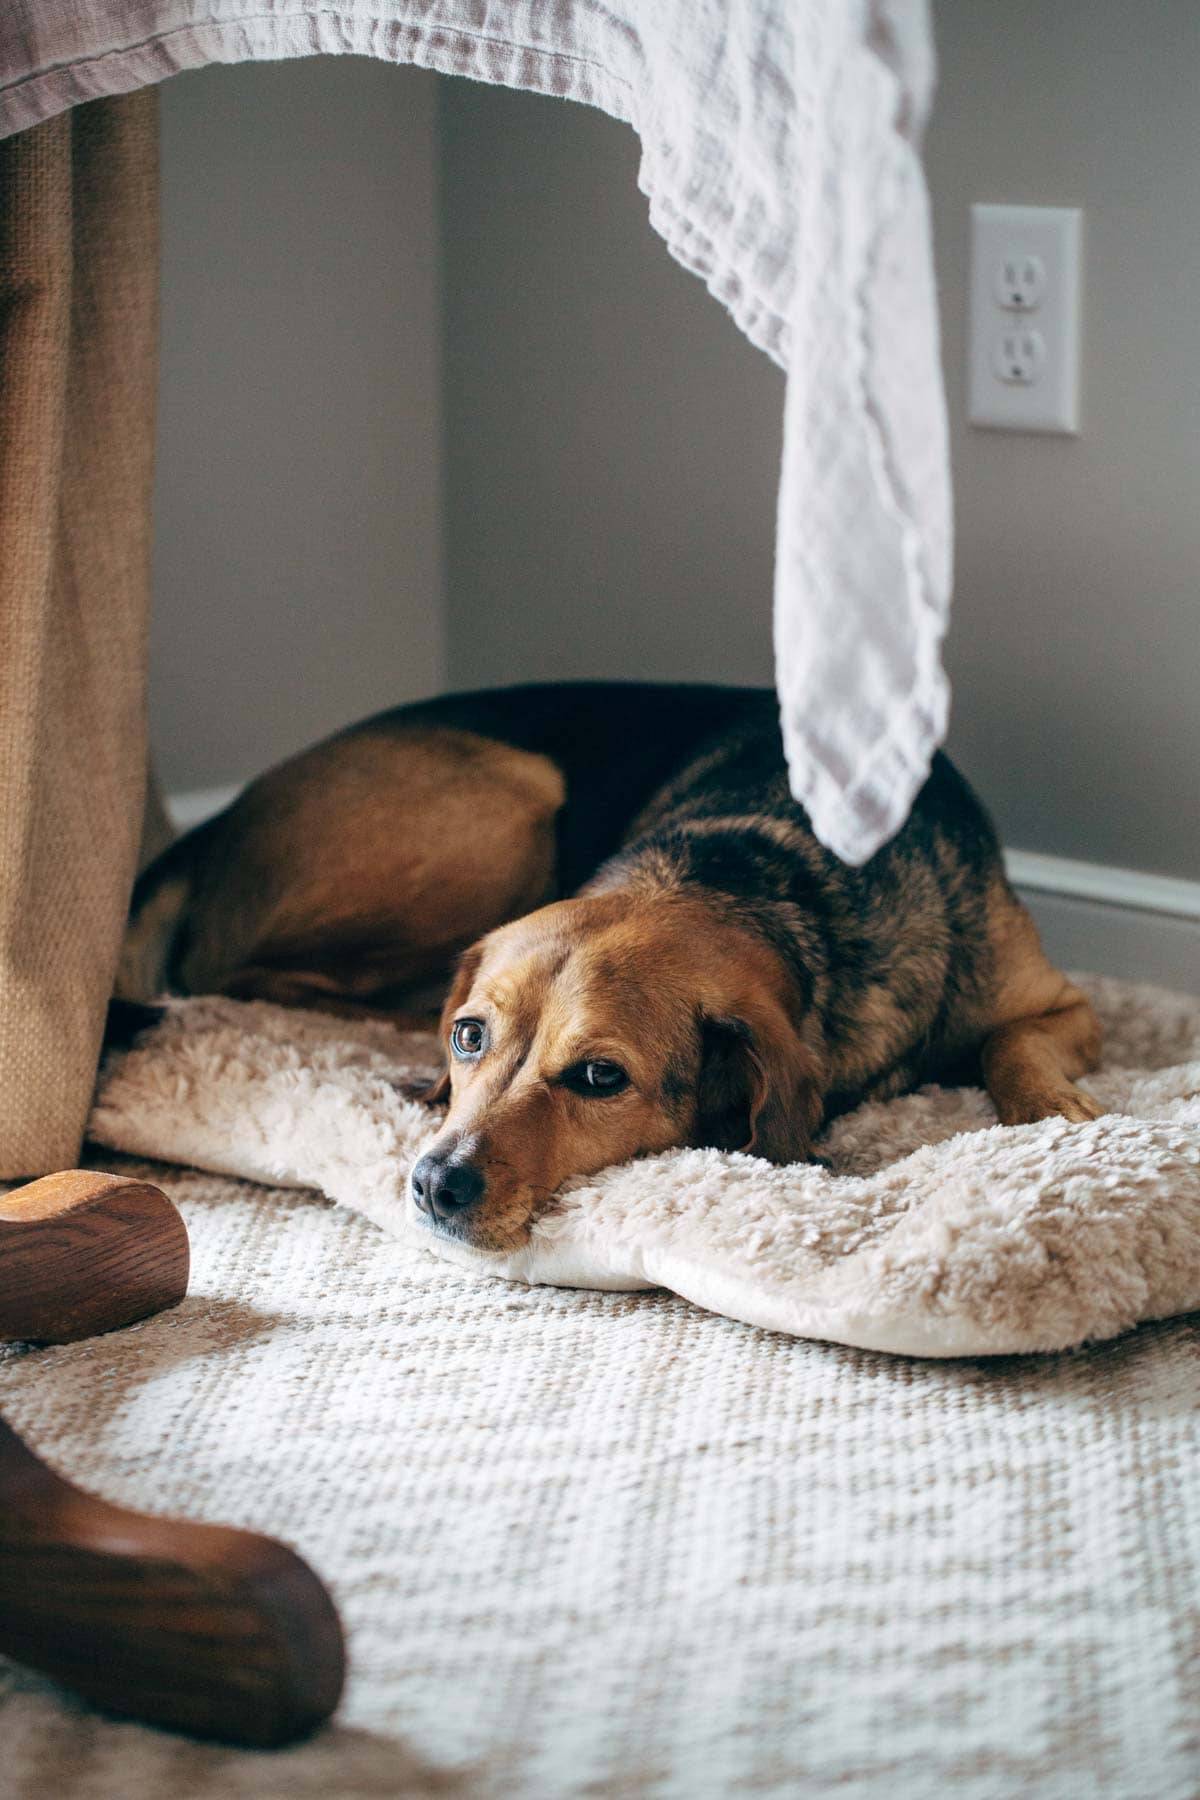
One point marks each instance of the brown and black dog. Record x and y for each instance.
(644, 943)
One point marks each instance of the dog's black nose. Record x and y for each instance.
(444, 1187)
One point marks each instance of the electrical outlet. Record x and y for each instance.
(1023, 352)
(1020, 282)
(1019, 357)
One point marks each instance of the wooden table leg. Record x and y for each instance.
(198, 1628)
(82, 1253)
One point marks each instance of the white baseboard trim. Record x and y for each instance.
(1096, 881)
(1112, 921)
(1091, 916)
(191, 807)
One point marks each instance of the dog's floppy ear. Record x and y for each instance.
(467, 968)
(757, 1091)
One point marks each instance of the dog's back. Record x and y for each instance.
(216, 901)
(353, 877)
(353, 874)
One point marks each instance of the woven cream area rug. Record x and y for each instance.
(594, 1543)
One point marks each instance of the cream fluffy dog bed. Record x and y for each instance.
(935, 1232)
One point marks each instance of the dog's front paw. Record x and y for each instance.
(1078, 1107)
(1066, 1102)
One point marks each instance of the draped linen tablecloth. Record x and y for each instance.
(780, 158)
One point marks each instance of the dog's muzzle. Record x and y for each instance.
(445, 1186)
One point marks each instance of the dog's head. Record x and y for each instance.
(600, 1029)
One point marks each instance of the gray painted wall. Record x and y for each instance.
(612, 441)
(298, 551)
(1075, 648)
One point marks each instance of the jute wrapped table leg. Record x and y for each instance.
(78, 328)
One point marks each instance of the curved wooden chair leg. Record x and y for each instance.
(82, 1253)
(197, 1628)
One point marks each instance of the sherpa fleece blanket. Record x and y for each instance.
(780, 158)
(933, 1231)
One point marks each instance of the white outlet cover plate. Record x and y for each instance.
(1052, 234)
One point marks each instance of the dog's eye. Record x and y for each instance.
(467, 1037)
(596, 1078)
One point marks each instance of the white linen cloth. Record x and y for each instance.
(780, 158)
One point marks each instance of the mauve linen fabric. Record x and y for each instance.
(780, 159)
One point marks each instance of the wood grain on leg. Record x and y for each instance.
(82, 1253)
(197, 1628)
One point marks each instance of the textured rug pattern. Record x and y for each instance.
(593, 1544)
(609, 1544)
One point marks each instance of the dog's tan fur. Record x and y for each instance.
(355, 876)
